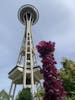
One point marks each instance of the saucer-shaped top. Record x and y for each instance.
(28, 9)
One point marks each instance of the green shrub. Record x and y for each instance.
(25, 94)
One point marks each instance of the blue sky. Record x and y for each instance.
(56, 23)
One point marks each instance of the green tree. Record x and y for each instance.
(40, 94)
(4, 95)
(25, 94)
(68, 75)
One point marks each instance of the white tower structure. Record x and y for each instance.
(26, 72)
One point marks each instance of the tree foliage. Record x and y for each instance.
(41, 93)
(25, 94)
(68, 75)
(4, 95)
(52, 84)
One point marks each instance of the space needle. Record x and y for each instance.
(26, 71)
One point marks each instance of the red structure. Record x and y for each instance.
(52, 83)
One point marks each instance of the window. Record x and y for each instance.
(28, 33)
(28, 42)
(28, 38)
(28, 78)
(28, 49)
(28, 63)
(28, 56)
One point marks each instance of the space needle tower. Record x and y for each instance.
(26, 71)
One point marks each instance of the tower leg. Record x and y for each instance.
(10, 90)
(32, 83)
(24, 78)
(14, 92)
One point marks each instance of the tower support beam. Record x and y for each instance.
(12, 91)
